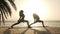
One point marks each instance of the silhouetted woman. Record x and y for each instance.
(21, 19)
(37, 19)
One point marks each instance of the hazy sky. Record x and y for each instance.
(46, 9)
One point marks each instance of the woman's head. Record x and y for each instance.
(35, 16)
(21, 11)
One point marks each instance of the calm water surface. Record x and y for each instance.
(46, 23)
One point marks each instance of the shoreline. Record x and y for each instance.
(40, 30)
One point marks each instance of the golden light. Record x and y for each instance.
(29, 7)
(34, 6)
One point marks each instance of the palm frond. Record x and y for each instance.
(6, 6)
(13, 4)
(5, 9)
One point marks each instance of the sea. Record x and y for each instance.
(46, 23)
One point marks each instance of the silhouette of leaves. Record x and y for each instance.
(5, 9)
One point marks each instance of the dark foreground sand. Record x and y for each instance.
(33, 30)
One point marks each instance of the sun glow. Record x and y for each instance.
(34, 6)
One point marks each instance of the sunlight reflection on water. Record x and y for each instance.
(46, 23)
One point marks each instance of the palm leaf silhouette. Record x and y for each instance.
(5, 9)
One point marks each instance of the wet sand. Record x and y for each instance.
(33, 30)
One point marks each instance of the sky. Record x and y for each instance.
(46, 9)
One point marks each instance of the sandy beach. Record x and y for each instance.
(33, 30)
